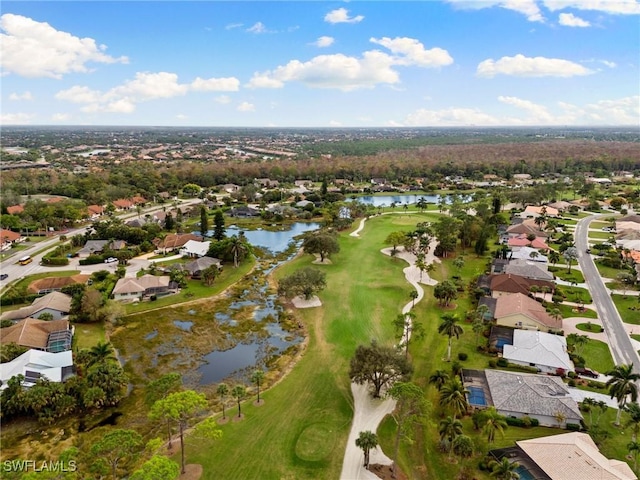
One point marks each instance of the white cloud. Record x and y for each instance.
(144, 87)
(36, 49)
(609, 64)
(624, 111)
(246, 107)
(332, 71)
(15, 118)
(521, 66)
(232, 26)
(570, 20)
(229, 84)
(529, 8)
(451, 117)
(324, 42)
(335, 123)
(349, 73)
(538, 114)
(414, 52)
(257, 27)
(222, 99)
(616, 7)
(21, 96)
(341, 15)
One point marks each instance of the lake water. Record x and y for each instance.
(387, 200)
(274, 241)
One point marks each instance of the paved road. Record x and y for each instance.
(16, 271)
(619, 341)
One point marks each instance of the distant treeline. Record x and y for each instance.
(432, 162)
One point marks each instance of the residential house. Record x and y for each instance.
(46, 285)
(93, 247)
(36, 364)
(535, 212)
(138, 288)
(9, 238)
(520, 311)
(508, 283)
(523, 241)
(517, 395)
(266, 183)
(57, 304)
(230, 188)
(567, 456)
(529, 269)
(123, 204)
(545, 351)
(95, 211)
(561, 206)
(194, 248)
(527, 253)
(196, 267)
(48, 336)
(243, 212)
(15, 209)
(526, 227)
(174, 241)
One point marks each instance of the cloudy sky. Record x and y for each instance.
(321, 64)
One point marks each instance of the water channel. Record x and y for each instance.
(387, 200)
(226, 338)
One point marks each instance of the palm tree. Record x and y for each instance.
(554, 257)
(414, 296)
(450, 328)
(633, 409)
(237, 248)
(504, 469)
(257, 377)
(493, 423)
(223, 391)
(621, 385)
(450, 427)
(367, 441)
(101, 352)
(454, 396)
(439, 378)
(239, 392)
(634, 449)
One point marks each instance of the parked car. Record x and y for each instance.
(4, 276)
(585, 372)
(111, 260)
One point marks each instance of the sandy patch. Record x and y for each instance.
(317, 261)
(301, 302)
(193, 471)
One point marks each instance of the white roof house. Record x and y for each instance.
(543, 350)
(34, 364)
(524, 253)
(193, 248)
(574, 455)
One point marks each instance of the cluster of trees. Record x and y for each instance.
(99, 382)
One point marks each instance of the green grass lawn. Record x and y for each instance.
(589, 327)
(598, 356)
(608, 272)
(365, 292)
(574, 276)
(571, 311)
(628, 308)
(88, 334)
(575, 294)
(600, 235)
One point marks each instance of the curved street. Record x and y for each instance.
(620, 343)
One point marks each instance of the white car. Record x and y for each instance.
(111, 260)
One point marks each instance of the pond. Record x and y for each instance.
(275, 241)
(214, 340)
(387, 200)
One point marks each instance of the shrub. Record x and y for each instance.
(573, 427)
(493, 364)
(153, 298)
(503, 362)
(572, 383)
(462, 356)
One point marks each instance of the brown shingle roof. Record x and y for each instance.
(510, 283)
(518, 303)
(56, 283)
(176, 240)
(31, 332)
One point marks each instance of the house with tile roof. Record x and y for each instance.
(545, 351)
(520, 311)
(138, 288)
(523, 241)
(509, 283)
(8, 238)
(42, 286)
(174, 241)
(193, 248)
(543, 397)
(45, 335)
(529, 269)
(15, 209)
(571, 456)
(527, 253)
(57, 304)
(533, 211)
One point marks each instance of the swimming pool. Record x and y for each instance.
(476, 396)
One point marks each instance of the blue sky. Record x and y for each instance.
(321, 64)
